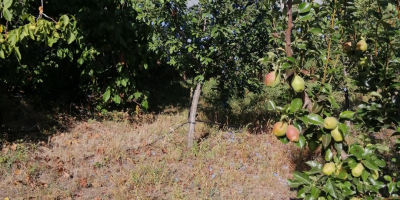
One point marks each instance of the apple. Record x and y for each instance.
(292, 133)
(347, 46)
(357, 171)
(375, 174)
(336, 134)
(330, 123)
(272, 79)
(280, 128)
(298, 84)
(361, 45)
(329, 168)
(363, 61)
(57, 26)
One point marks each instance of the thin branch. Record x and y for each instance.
(329, 47)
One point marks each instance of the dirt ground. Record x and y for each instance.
(110, 160)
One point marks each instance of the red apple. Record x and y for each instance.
(272, 79)
(292, 133)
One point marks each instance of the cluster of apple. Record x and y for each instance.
(273, 79)
(360, 46)
(292, 133)
(331, 167)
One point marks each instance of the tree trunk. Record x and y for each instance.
(192, 117)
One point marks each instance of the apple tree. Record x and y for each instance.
(332, 49)
(214, 39)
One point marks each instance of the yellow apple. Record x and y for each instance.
(280, 128)
(330, 123)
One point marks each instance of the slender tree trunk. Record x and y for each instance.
(193, 112)
(289, 53)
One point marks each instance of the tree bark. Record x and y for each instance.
(193, 112)
(289, 53)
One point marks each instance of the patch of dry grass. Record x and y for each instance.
(101, 160)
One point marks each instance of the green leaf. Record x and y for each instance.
(375, 183)
(313, 163)
(326, 140)
(316, 31)
(302, 141)
(315, 192)
(304, 119)
(296, 105)
(2, 54)
(106, 95)
(301, 177)
(117, 99)
(271, 105)
(357, 151)
(145, 105)
(64, 20)
(392, 187)
(17, 53)
(329, 187)
(344, 128)
(328, 155)
(380, 163)
(7, 3)
(293, 183)
(71, 37)
(339, 148)
(301, 193)
(284, 140)
(315, 170)
(304, 7)
(315, 119)
(364, 175)
(387, 178)
(360, 187)
(370, 164)
(348, 192)
(80, 61)
(286, 65)
(7, 14)
(305, 17)
(346, 114)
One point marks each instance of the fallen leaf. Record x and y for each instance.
(47, 159)
(83, 182)
(100, 151)
(66, 175)
(27, 178)
(17, 172)
(13, 147)
(5, 149)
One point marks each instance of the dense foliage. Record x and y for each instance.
(351, 44)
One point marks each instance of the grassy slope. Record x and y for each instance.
(101, 159)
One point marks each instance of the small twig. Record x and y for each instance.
(329, 49)
(334, 66)
(49, 18)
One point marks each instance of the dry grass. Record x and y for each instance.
(101, 160)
